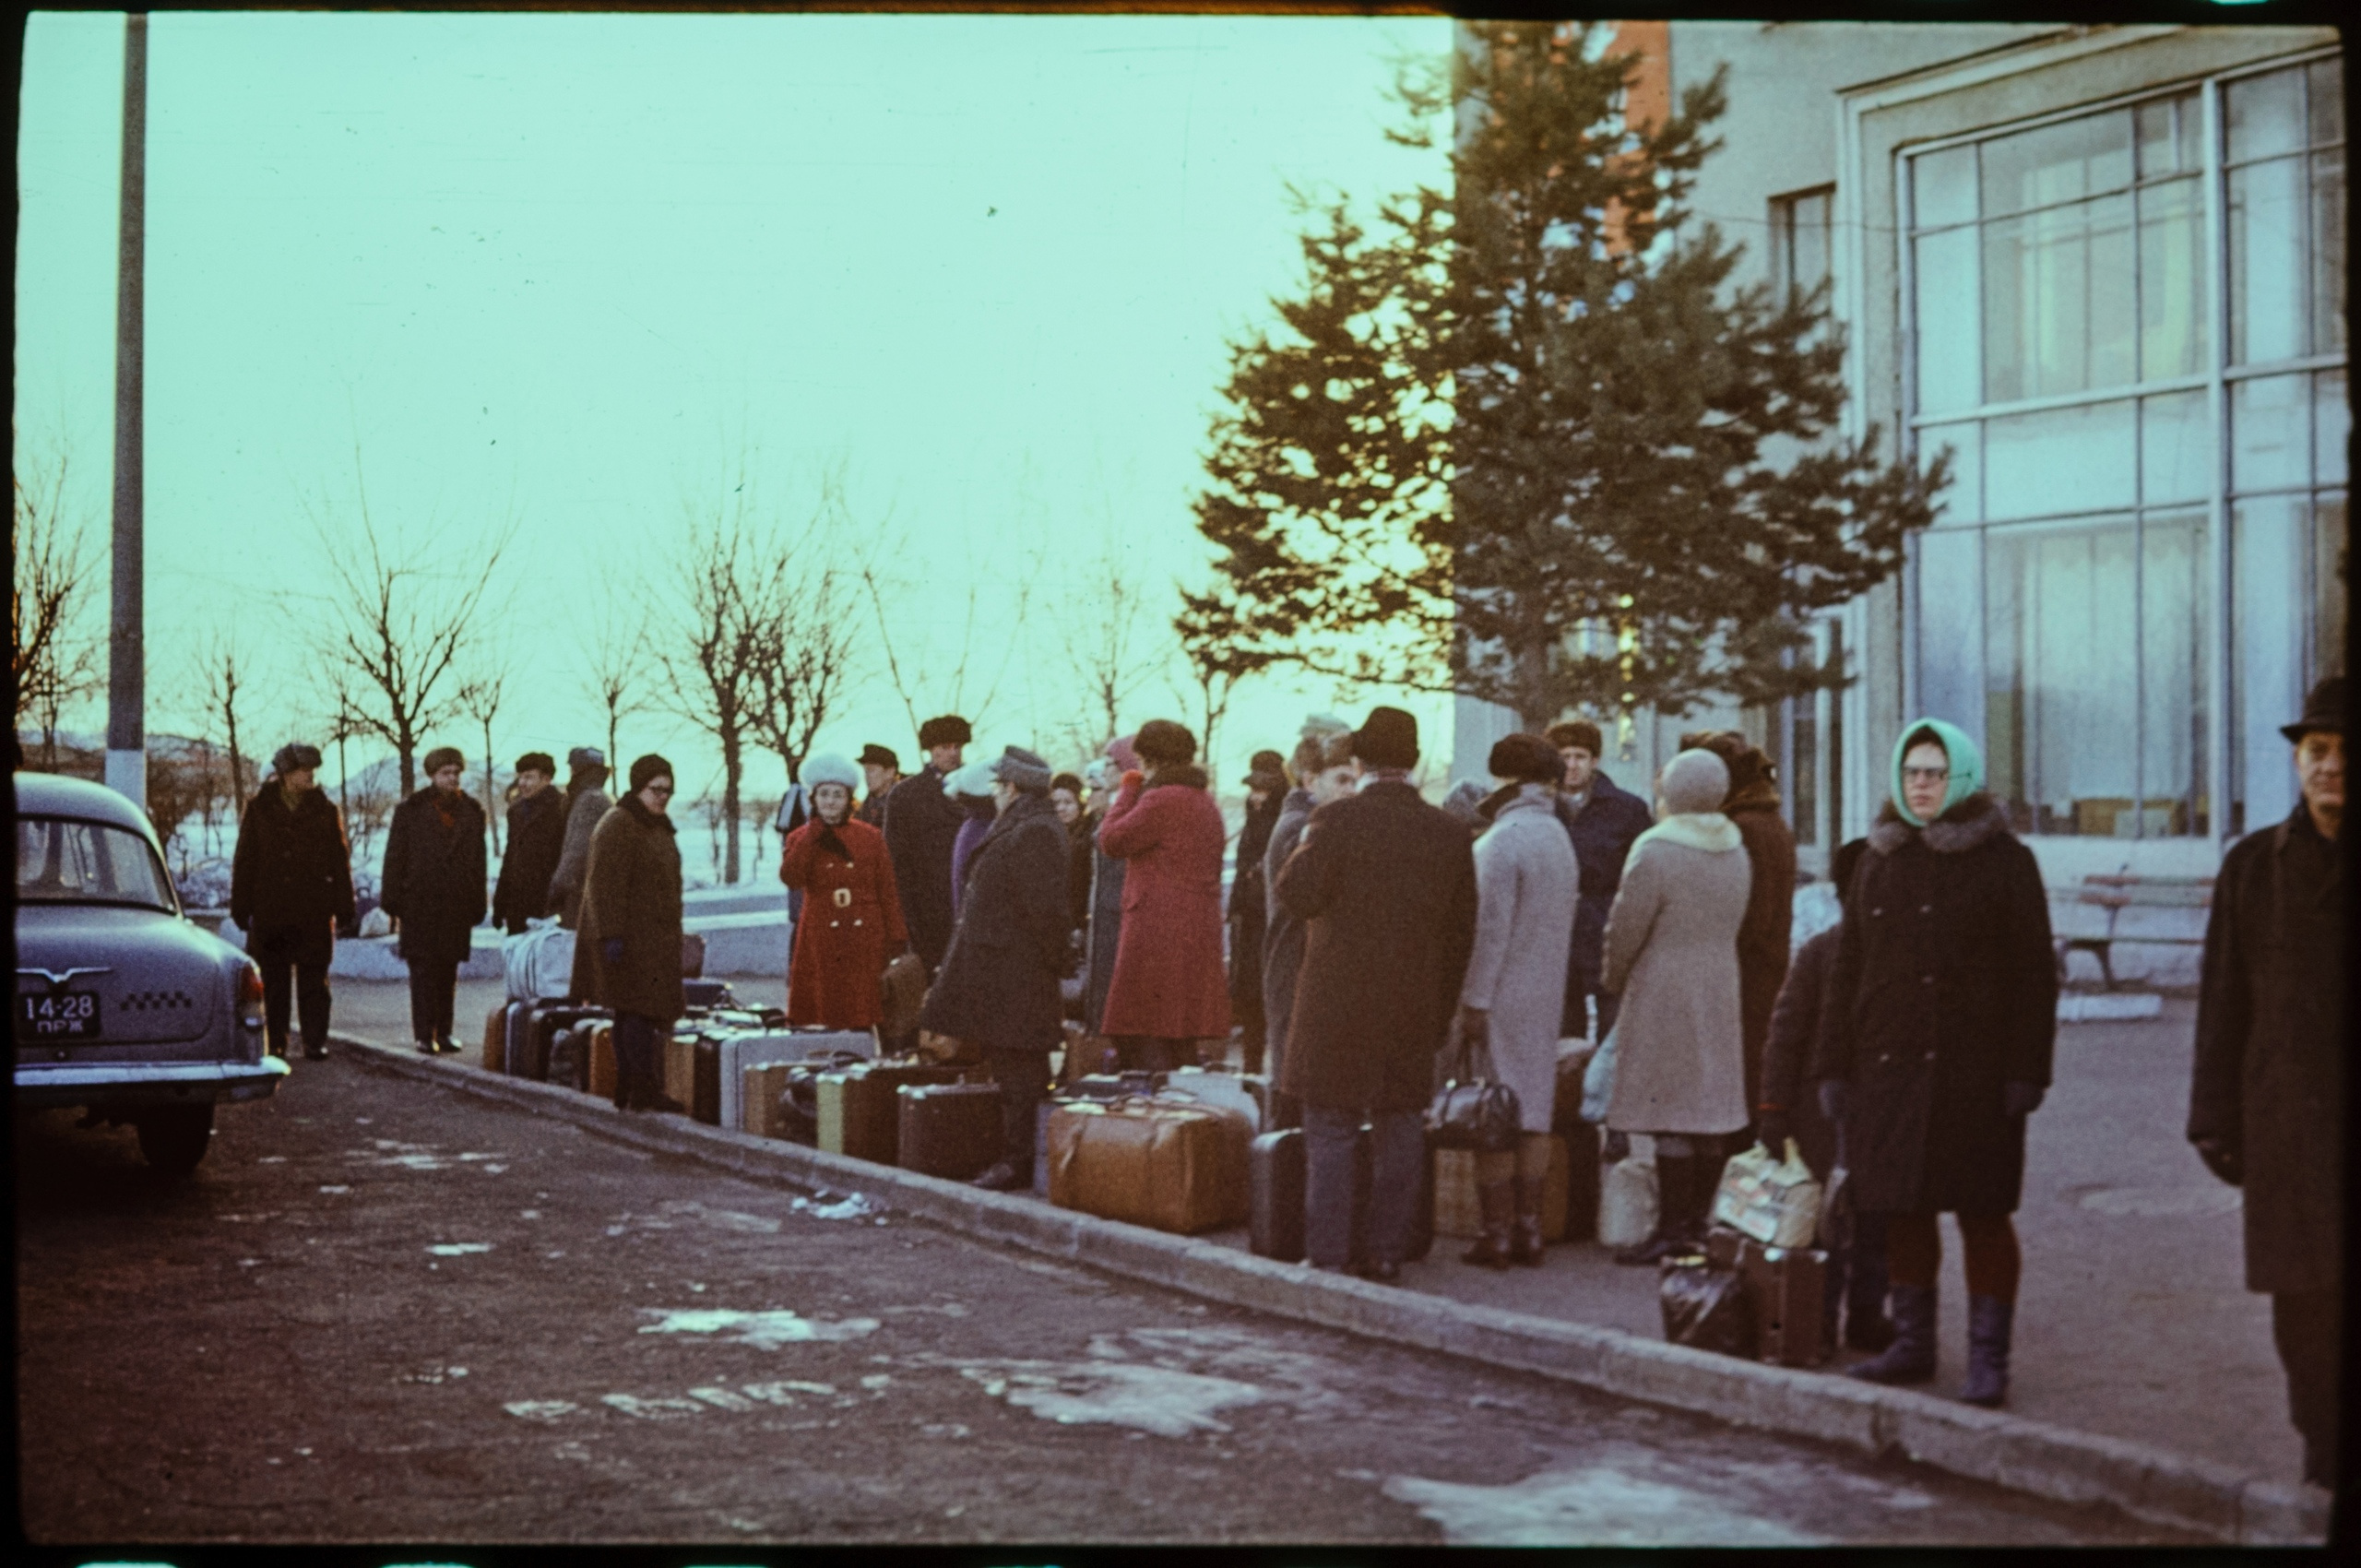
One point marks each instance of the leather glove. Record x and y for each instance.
(612, 950)
(1475, 1028)
(2021, 1099)
(2223, 1160)
(1835, 1099)
(1774, 1127)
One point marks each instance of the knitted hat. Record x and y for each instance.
(646, 770)
(293, 755)
(1165, 744)
(829, 767)
(1579, 733)
(944, 730)
(1025, 769)
(1695, 781)
(875, 755)
(1525, 759)
(442, 757)
(1389, 739)
(541, 760)
(973, 780)
(581, 757)
(1967, 761)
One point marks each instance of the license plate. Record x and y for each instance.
(58, 1014)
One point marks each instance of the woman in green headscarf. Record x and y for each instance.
(1942, 1009)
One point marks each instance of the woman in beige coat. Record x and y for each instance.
(1671, 953)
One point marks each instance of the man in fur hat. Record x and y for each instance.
(434, 890)
(536, 843)
(290, 888)
(922, 823)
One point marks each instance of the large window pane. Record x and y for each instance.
(2058, 313)
(2328, 253)
(1950, 374)
(2059, 460)
(2169, 133)
(1950, 626)
(2172, 280)
(2176, 449)
(2266, 114)
(2270, 444)
(1942, 187)
(2174, 639)
(2061, 687)
(2332, 427)
(2268, 573)
(1962, 499)
(2062, 163)
(2267, 265)
(2331, 586)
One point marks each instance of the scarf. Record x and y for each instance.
(1709, 831)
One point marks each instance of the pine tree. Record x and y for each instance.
(1529, 435)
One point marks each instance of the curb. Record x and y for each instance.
(2034, 1457)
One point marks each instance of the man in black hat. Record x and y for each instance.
(881, 769)
(920, 823)
(290, 888)
(2267, 1100)
(1386, 886)
(536, 842)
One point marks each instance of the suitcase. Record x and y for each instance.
(792, 1110)
(569, 1062)
(1787, 1291)
(705, 995)
(496, 1039)
(517, 1053)
(602, 1059)
(677, 1055)
(855, 1111)
(1459, 1210)
(1108, 1087)
(745, 1048)
(948, 1130)
(547, 1018)
(1172, 1167)
(704, 1080)
(1275, 1201)
(1248, 1094)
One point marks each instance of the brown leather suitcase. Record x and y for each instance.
(858, 1112)
(949, 1130)
(1174, 1168)
(1786, 1287)
(758, 1103)
(602, 1061)
(680, 1057)
(496, 1039)
(1460, 1212)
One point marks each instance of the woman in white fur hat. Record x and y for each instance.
(852, 918)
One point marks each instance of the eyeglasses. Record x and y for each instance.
(1925, 774)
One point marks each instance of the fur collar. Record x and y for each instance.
(1188, 776)
(1709, 831)
(646, 818)
(1965, 826)
(1022, 810)
(1759, 796)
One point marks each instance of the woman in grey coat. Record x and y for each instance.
(1321, 770)
(1671, 953)
(1526, 885)
(586, 802)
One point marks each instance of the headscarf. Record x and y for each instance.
(1966, 766)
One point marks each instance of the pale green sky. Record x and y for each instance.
(566, 265)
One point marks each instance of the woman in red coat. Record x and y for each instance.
(852, 920)
(1168, 990)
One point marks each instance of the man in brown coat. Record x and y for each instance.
(628, 955)
(2266, 1103)
(1763, 940)
(1386, 886)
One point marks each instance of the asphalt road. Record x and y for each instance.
(383, 1313)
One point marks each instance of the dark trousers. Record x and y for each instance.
(1915, 1251)
(1857, 1276)
(2308, 1326)
(433, 982)
(639, 1059)
(1023, 1074)
(1329, 1134)
(281, 952)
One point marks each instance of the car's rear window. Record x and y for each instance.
(60, 860)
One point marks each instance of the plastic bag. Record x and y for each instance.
(1774, 1201)
(1707, 1308)
(1627, 1203)
(1598, 1082)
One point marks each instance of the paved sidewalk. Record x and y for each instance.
(2133, 1322)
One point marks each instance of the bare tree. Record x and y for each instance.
(1216, 667)
(226, 677)
(989, 603)
(708, 649)
(403, 618)
(615, 660)
(806, 642)
(1106, 643)
(55, 661)
(479, 699)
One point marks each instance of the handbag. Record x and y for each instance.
(901, 994)
(1471, 1112)
(1776, 1201)
(1598, 1082)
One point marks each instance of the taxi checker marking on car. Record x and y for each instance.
(123, 1007)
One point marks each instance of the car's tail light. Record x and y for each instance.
(250, 997)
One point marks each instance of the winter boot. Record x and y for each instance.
(1525, 1245)
(1911, 1357)
(1491, 1249)
(1989, 1321)
(1675, 1175)
(1866, 1325)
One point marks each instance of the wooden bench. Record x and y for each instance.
(2116, 892)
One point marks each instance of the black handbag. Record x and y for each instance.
(1471, 1112)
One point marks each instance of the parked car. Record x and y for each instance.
(125, 1008)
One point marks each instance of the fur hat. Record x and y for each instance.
(1695, 780)
(581, 757)
(875, 755)
(1579, 733)
(1163, 744)
(1103, 773)
(944, 730)
(972, 780)
(648, 769)
(1388, 739)
(1525, 759)
(830, 767)
(292, 755)
(1320, 726)
(541, 760)
(442, 757)
(1025, 769)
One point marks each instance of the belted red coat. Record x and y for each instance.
(1169, 982)
(852, 924)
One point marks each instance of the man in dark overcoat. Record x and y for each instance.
(920, 823)
(1604, 820)
(1386, 886)
(291, 889)
(881, 770)
(434, 887)
(2266, 1100)
(536, 840)
(1763, 938)
(1248, 918)
(627, 957)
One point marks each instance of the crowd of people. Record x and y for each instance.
(1371, 942)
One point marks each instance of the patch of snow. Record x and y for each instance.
(1157, 1400)
(458, 1249)
(652, 1409)
(853, 1206)
(1595, 1505)
(2108, 1006)
(722, 1398)
(540, 1410)
(765, 1331)
(335, 1189)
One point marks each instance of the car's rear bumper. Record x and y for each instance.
(136, 1083)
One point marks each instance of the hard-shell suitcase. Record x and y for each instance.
(1785, 1289)
(1170, 1167)
(704, 995)
(496, 1039)
(602, 1059)
(678, 1056)
(856, 1110)
(948, 1130)
(704, 1080)
(547, 1018)
(789, 1105)
(1278, 1181)
(517, 1052)
(569, 1062)
(742, 1050)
